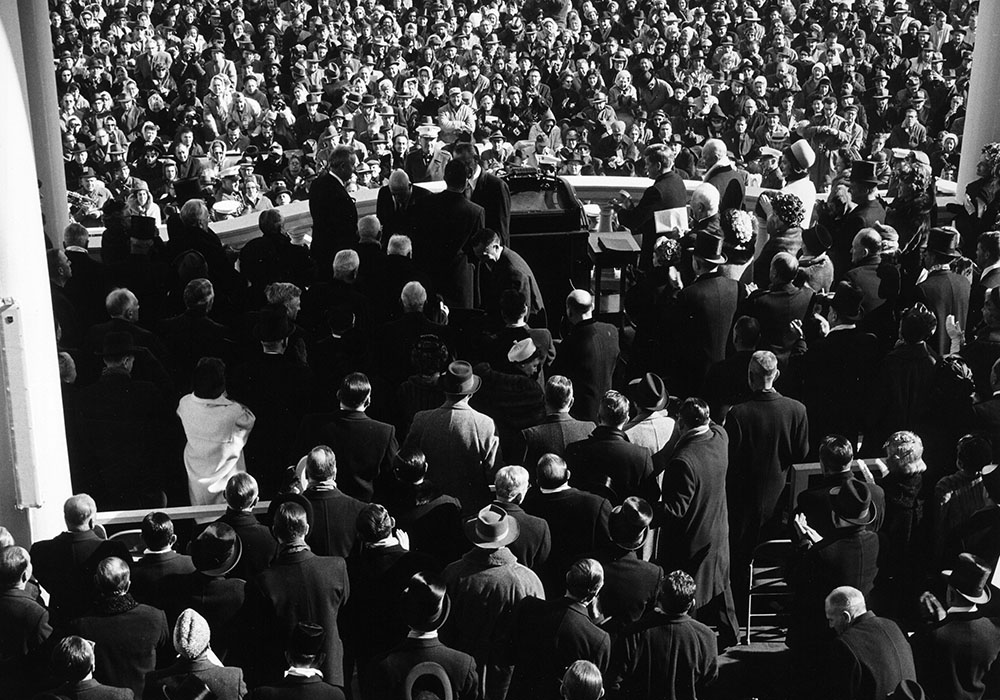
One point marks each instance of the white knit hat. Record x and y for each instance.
(191, 634)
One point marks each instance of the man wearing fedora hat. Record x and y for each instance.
(630, 584)
(848, 556)
(607, 463)
(945, 293)
(956, 650)
(211, 589)
(460, 443)
(651, 426)
(695, 522)
(485, 585)
(425, 606)
(870, 656)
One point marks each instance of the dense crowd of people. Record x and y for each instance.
(476, 491)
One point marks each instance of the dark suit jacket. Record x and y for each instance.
(945, 293)
(395, 339)
(731, 183)
(441, 244)
(630, 586)
(708, 308)
(986, 417)
(65, 567)
(364, 448)
(274, 258)
(666, 192)
(548, 636)
(335, 221)
(149, 572)
(953, 657)
(93, 342)
(510, 272)
(226, 682)
(587, 356)
(666, 656)
(128, 645)
(334, 528)
(767, 435)
(397, 220)
(297, 688)
(862, 216)
(869, 660)
(533, 545)
(299, 587)
(493, 195)
(92, 690)
(191, 336)
(606, 463)
(695, 527)
(24, 631)
(87, 288)
(390, 671)
(776, 308)
(259, 545)
(553, 435)
(864, 276)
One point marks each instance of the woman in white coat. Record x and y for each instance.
(217, 430)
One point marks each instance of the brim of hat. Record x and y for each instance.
(513, 530)
(872, 512)
(632, 545)
(436, 623)
(229, 563)
(477, 382)
(983, 598)
(721, 260)
(658, 406)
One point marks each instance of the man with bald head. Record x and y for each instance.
(870, 655)
(587, 355)
(395, 202)
(865, 260)
(782, 302)
(723, 173)
(767, 435)
(65, 565)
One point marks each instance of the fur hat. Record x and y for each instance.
(191, 634)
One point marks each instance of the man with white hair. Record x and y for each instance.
(371, 255)
(395, 203)
(123, 308)
(870, 656)
(723, 173)
(394, 339)
(533, 545)
(587, 355)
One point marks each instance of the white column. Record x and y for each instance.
(33, 459)
(982, 114)
(43, 113)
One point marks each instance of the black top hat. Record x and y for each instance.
(188, 188)
(628, 524)
(117, 344)
(943, 240)
(863, 171)
(970, 578)
(459, 379)
(847, 301)
(648, 392)
(708, 247)
(307, 639)
(272, 325)
(425, 603)
(143, 228)
(491, 528)
(217, 550)
(817, 239)
(852, 502)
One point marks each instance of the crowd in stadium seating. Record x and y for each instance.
(468, 497)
